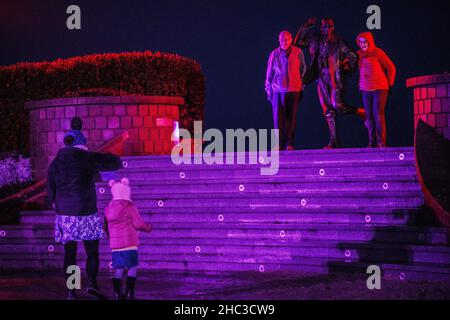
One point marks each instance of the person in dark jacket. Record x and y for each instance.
(71, 190)
(376, 78)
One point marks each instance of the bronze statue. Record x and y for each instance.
(331, 59)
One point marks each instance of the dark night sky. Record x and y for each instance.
(232, 40)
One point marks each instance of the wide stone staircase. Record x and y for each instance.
(324, 212)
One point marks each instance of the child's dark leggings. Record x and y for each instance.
(91, 248)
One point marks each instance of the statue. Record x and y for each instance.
(331, 60)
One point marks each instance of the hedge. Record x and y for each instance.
(133, 73)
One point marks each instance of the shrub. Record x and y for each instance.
(142, 73)
(15, 171)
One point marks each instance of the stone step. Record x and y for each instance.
(257, 163)
(256, 201)
(205, 245)
(315, 265)
(292, 257)
(366, 252)
(269, 188)
(299, 173)
(208, 217)
(269, 180)
(241, 192)
(389, 271)
(338, 155)
(275, 210)
(250, 233)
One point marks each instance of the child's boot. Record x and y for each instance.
(131, 281)
(117, 285)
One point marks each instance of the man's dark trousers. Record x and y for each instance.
(284, 108)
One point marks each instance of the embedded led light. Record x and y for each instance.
(102, 190)
(198, 249)
(241, 188)
(50, 248)
(110, 265)
(160, 203)
(385, 186)
(402, 276)
(220, 217)
(3, 233)
(368, 218)
(322, 172)
(182, 175)
(261, 160)
(401, 156)
(348, 253)
(282, 234)
(261, 268)
(125, 164)
(303, 202)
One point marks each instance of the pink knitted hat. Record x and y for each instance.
(120, 190)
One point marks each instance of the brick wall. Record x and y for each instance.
(432, 101)
(148, 120)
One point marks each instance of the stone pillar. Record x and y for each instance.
(149, 121)
(432, 101)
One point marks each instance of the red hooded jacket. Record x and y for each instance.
(124, 222)
(376, 70)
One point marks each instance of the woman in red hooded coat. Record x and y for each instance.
(377, 76)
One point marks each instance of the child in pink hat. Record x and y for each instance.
(124, 222)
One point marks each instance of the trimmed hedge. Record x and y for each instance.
(134, 73)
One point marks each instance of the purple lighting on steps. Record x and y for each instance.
(333, 226)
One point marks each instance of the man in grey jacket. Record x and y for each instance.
(284, 85)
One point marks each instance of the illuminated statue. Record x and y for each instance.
(331, 58)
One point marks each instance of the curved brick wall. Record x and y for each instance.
(148, 120)
(432, 101)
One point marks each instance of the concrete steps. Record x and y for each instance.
(325, 211)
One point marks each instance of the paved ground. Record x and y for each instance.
(237, 286)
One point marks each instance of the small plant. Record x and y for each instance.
(15, 171)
